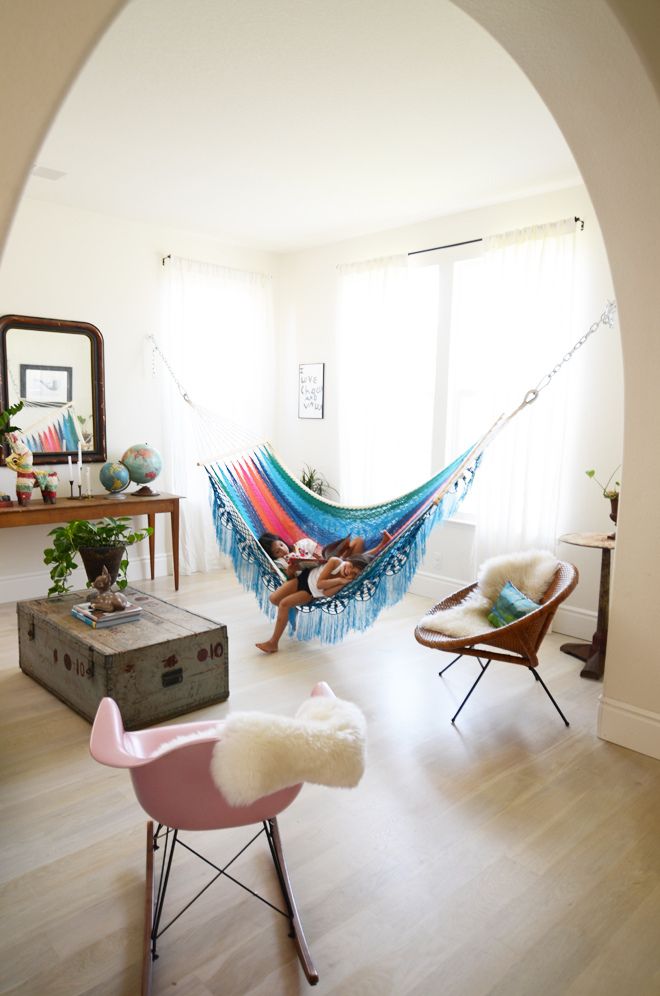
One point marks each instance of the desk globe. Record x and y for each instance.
(144, 464)
(115, 478)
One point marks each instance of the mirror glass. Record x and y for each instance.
(56, 369)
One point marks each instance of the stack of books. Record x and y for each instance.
(100, 620)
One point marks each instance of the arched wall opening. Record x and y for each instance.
(595, 67)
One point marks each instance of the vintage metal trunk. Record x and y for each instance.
(167, 663)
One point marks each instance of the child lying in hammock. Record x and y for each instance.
(310, 583)
(292, 559)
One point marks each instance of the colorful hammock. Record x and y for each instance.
(255, 494)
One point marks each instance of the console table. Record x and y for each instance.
(38, 513)
(593, 654)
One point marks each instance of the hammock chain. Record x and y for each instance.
(156, 348)
(607, 318)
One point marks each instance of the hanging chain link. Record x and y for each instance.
(182, 391)
(607, 318)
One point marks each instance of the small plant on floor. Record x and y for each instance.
(316, 482)
(70, 539)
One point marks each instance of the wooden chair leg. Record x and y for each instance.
(147, 960)
(275, 841)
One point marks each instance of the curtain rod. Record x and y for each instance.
(169, 256)
(469, 242)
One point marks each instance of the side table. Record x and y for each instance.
(97, 507)
(593, 654)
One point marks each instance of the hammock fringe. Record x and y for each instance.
(381, 585)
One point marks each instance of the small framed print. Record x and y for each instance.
(45, 385)
(310, 390)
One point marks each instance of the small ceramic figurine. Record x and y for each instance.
(20, 461)
(106, 600)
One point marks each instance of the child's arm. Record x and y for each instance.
(327, 583)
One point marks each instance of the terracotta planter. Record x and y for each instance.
(95, 558)
(614, 508)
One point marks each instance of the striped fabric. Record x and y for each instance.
(254, 494)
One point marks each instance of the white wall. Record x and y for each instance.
(78, 265)
(305, 310)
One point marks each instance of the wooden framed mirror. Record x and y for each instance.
(56, 369)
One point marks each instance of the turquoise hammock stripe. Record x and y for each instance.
(238, 524)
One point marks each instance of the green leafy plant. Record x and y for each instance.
(5, 420)
(70, 538)
(611, 488)
(316, 482)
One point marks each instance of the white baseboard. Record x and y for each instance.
(569, 620)
(628, 726)
(18, 587)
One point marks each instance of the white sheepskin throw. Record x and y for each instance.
(531, 572)
(466, 619)
(260, 753)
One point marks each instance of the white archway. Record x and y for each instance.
(594, 64)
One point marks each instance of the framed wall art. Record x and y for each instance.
(45, 385)
(310, 390)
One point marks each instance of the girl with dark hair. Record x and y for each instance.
(311, 583)
(305, 549)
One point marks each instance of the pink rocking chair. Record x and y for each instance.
(173, 785)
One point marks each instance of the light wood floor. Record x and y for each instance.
(506, 856)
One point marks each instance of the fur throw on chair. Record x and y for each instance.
(530, 571)
(259, 753)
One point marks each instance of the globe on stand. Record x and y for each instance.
(144, 464)
(115, 478)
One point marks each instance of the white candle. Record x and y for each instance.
(88, 482)
(70, 470)
(79, 463)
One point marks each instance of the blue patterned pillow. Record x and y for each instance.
(511, 604)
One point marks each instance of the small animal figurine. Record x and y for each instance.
(106, 600)
(48, 484)
(20, 461)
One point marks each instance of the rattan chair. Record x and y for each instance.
(516, 643)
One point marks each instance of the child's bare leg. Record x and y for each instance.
(288, 588)
(355, 546)
(295, 598)
(384, 540)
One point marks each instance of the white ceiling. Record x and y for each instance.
(283, 124)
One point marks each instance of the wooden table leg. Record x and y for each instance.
(174, 516)
(593, 654)
(151, 519)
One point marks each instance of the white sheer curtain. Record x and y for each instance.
(387, 332)
(217, 335)
(512, 322)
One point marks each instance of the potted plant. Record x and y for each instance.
(315, 481)
(99, 544)
(610, 491)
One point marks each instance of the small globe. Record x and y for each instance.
(114, 477)
(143, 463)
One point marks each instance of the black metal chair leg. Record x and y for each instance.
(549, 694)
(162, 887)
(440, 673)
(481, 674)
